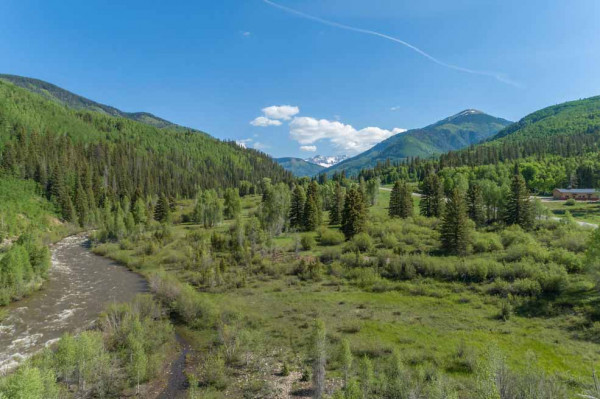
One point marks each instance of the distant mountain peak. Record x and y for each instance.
(327, 160)
(466, 112)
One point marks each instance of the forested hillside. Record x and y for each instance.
(75, 154)
(458, 131)
(71, 100)
(299, 167)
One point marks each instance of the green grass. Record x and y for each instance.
(583, 211)
(426, 319)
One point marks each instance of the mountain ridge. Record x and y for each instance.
(62, 96)
(457, 131)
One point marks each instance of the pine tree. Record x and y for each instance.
(432, 199)
(406, 205)
(311, 214)
(297, 205)
(312, 208)
(335, 213)
(475, 203)
(394, 208)
(455, 228)
(354, 215)
(162, 210)
(518, 206)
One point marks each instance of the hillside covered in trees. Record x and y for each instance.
(68, 151)
(455, 132)
(71, 100)
(299, 167)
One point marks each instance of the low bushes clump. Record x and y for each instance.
(330, 237)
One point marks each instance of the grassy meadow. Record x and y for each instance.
(520, 298)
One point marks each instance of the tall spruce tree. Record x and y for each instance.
(406, 206)
(432, 199)
(335, 213)
(394, 208)
(312, 207)
(311, 214)
(455, 225)
(354, 215)
(162, 210)
(298, 202)
(519, 209)
(475, 204)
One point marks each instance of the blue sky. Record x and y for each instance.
(215, 65)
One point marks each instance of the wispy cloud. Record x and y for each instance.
(264, 121)
(284, 112)
(394, 108)
(246, 34)
(308, 148)
(501, 77)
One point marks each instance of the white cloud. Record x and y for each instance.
(394, 108)
(308, 148)
(260, 146)
(263, 122)
(284, 112)
(307, 130)
(246, 34)
(243, 142)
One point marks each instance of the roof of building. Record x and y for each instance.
(577, 190)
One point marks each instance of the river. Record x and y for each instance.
(80, 285)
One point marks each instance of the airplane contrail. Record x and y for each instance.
(498, 76)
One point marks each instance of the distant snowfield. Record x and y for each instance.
(327, 161)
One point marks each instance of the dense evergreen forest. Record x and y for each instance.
(69, 152)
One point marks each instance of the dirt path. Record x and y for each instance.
(177, 383)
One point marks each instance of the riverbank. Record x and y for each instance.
(79, 286)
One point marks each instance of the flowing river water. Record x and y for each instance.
(79, 287)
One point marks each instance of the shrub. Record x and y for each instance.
(330, 254)
(362, 242)
(308, 242)
(330, 237)
(486, 242)
(570, 202)
(554, 280)
(515, 235)
(526, 287)
(568, 259)
(506, 310)
(389, 241)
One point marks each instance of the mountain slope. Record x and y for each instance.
(299, 167)
(570, 129)
(458, 131)
(71, 100)
(64, 148)
(568, 118)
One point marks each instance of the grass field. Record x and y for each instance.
(583, 211)
(436, 324)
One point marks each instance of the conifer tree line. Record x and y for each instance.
(83, 159)
(303, 207)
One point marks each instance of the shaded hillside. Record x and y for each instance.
(456, 132)
(299, 167)
(71, 100)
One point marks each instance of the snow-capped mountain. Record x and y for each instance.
(327, 161)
